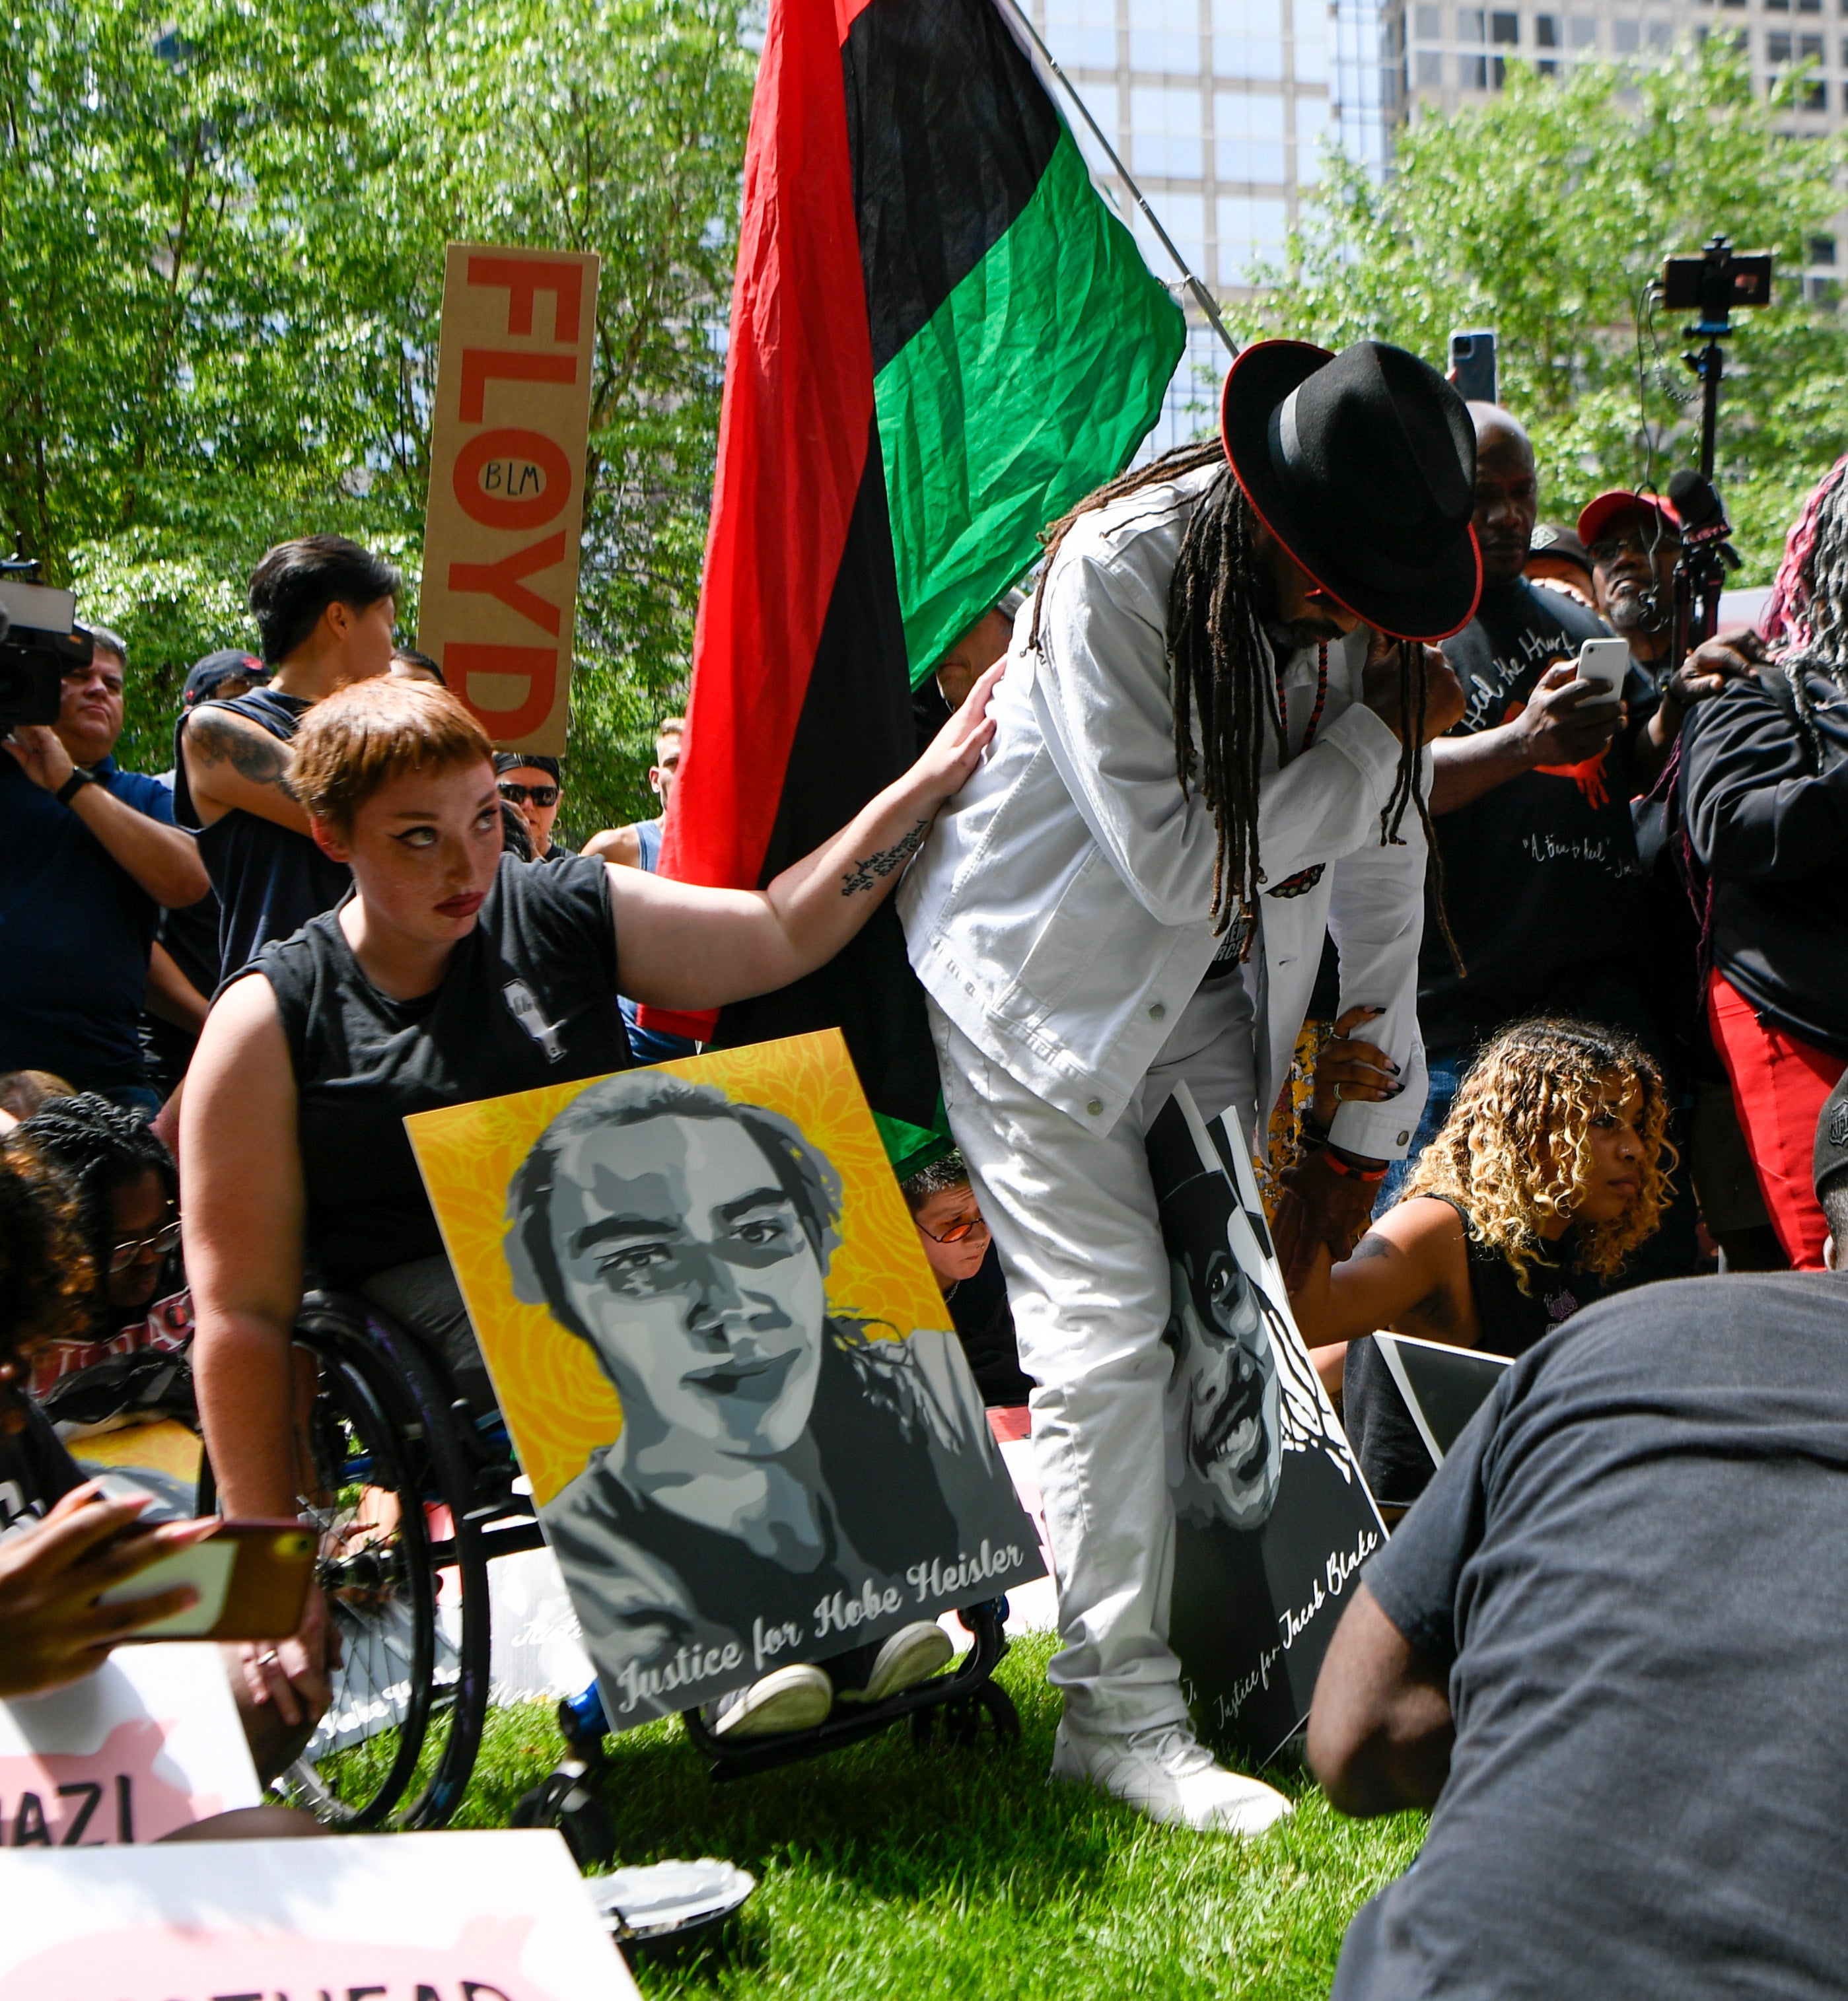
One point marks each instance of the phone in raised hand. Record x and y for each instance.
(1605, 663)
(252, 1579)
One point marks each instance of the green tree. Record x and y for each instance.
(1544, 213)
(612, 125)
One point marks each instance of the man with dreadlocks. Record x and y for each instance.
(1764, 783)
(1208, 752)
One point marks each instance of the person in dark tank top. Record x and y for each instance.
(325, 608)
(450, 973)
(1550, 1171)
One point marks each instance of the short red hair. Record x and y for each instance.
(355, 741)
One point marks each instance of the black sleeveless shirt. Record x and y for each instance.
(1392, 1456)
(528, 997)
(270, 880)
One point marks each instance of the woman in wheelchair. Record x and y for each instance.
(450, 973)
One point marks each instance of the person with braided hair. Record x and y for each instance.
(1764, 798)
(1210, 751)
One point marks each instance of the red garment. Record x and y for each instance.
(1779, 1083)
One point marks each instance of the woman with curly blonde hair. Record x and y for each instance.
(1550, 1171)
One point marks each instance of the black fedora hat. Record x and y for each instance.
(1363, 464)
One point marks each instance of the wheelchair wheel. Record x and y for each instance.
(411, 1695)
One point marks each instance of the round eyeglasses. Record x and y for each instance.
(122, 1255)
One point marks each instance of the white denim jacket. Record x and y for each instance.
(1059, 912)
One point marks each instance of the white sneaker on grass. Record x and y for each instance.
(795, 1698)
(1166, 1773)
(912, 1654)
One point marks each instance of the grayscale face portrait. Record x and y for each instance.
(788, 1473)
(689, 1270)
(1224, 1400)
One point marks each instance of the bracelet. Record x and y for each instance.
(1353, 1174)
(74, 784)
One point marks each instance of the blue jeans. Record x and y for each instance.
(1446, 1069)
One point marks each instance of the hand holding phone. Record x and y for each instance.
(54, 1629)
(1605, 663)
(250, 1580)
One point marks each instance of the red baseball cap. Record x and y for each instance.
(1599, 512)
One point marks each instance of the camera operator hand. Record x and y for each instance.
(1380, 687)
(40, 756)
(52, 1629)
(1728, 656)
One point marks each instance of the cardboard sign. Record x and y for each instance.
(148, 1743)
(507, 486)
(1273, 1521)
(397, 1917)
(751, 1433)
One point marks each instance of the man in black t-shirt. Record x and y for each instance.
(325, 608)
(1530, 798)
(1606, 1644)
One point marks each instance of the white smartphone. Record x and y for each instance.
(1606, 662)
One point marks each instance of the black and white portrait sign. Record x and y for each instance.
(1273, 1521)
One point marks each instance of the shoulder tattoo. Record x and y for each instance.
(867, 873)
(252, 753)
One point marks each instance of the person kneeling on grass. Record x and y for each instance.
(1550, 1169)
(450, 974)
(1606, 1649)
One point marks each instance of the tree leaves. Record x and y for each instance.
(1543, 214)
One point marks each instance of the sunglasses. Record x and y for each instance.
(122, 1255)
(958, 1232)
(540, 795)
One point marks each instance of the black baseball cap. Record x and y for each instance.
(210, 674)
(1550, 539)
(1830, 1156)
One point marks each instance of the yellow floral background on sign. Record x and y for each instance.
(559, 1406)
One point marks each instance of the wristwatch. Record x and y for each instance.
(79, 778)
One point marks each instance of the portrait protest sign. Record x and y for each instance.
(506, 508)
(148, 1743)
(499, 1917)
(752, 1434)
(1272, 1518)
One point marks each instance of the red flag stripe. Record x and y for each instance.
(792, 445)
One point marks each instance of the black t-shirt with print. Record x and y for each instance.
(1629, 1568)
(1541, 878)
(36, 1472)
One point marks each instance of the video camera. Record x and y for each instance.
(40, 642)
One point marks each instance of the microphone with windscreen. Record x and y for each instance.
(1703, 518)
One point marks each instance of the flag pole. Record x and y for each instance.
(1202, 297)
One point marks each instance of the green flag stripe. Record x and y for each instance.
(1033, 382)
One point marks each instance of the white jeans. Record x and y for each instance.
(1074, 1217)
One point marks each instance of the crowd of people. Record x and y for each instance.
(1283, 764)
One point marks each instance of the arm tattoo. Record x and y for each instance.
(252, 753)
(866, 874)
(1371, 1245)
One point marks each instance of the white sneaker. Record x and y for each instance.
(912, 1654)
(795, 1698)
(1167, 1773)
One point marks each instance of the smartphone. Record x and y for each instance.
(1472, 364)
(252, 1579)
(1606, 662)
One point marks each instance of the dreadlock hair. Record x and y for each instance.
(1808, 607)
(1223, 672)
(98, 1147)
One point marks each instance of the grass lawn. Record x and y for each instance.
(885, 1870)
